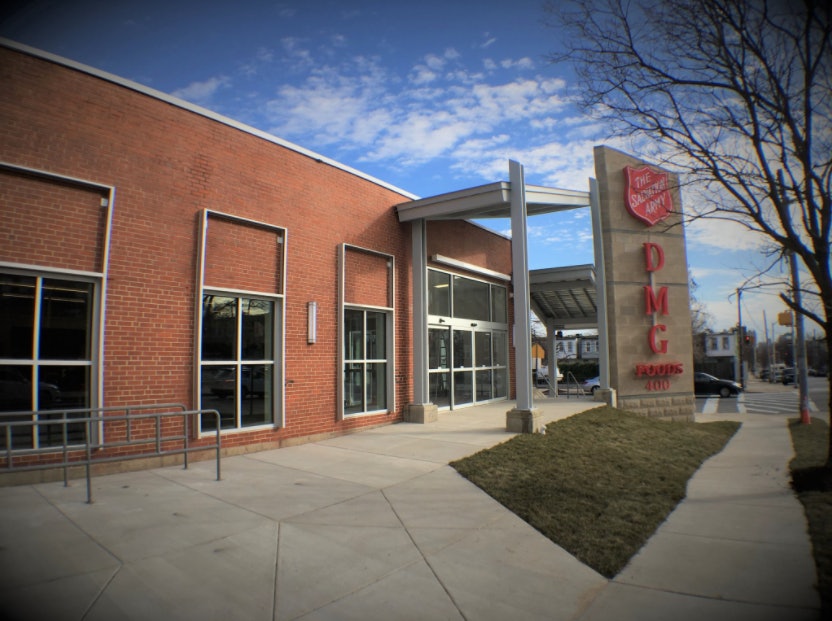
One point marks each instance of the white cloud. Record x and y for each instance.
(201, 92)
(722, 234)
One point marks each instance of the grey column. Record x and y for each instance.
(520, 281)
(600, 286)
(420, 314)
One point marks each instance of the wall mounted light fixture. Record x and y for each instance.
(311, 322)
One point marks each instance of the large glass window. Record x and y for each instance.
(471, 299)
(439, 293)
(237, 373)
(365, 361)
(46, 345)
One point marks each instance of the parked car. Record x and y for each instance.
(591, 385)
(225, 382)
(788, 375)
(16, 391)
(705, 384)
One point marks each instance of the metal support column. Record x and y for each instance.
(520, 281)
(420, 314)
(600, 287)
(421, 410)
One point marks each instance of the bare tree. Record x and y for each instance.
(736, 95)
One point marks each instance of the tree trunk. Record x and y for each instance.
(829, 395)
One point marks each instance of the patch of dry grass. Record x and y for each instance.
(598, 483)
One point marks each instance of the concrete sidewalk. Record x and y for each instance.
(376, 525)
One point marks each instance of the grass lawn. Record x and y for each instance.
(813, 484)
(598, 483)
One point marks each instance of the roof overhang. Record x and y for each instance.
(489, 201)
(564, 298)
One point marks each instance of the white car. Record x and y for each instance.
(591, 385)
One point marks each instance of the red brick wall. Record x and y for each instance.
(168, 164)
(470, 243)
(239, 255)
(366, 279)
(50, 223)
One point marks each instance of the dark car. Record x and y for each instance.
(704, 384)
(788, 375)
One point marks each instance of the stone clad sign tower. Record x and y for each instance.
(647, 296)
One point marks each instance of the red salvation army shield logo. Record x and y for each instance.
(646, 194)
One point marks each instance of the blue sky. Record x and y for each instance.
(428, 96)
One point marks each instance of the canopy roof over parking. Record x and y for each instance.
(565, 298)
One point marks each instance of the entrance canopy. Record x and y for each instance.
(514, 200)
(565, 298)
(490, 201)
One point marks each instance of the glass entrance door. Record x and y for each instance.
(439, 366)
(463, 367)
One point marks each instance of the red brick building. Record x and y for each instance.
(154, 252)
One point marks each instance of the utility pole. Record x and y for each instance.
(800, 372)
(740, 335)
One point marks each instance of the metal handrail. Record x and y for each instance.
(97, 415)
(570, 380)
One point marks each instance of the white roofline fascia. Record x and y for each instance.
(181, 103)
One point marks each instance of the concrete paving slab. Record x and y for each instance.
(140, 514)
(369, 509)
(320, 564)
(763, 573)
(268, 489)
(38, 545)
(442, 498)
(758, 519)
(410, 594)
(231, 578)
(438, 449)
(68, 597)
(622, 602)
(370, 469)
(513, 572)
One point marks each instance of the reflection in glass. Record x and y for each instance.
(220, 384)
(258, 329)
(439, 348)
(471, 299)
(463, 354)
(219, 328)
(17, 316)
(440, 389)
(353, 388)
(483, 348)
(484, 391)
(376, 324)
(65, 323)
(16, 394)
(500, 383)
(498, 304)
(353, 335)
(256, 383)
(376, 386)
(500, 342)
(463, 387)
(439, 293)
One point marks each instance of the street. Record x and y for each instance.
(774, 399)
